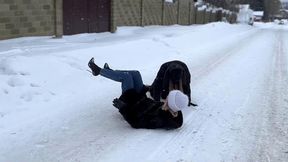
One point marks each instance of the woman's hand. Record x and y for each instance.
(165, 106)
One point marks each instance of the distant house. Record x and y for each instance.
(285, 5)
(282, 14)
(258, 15)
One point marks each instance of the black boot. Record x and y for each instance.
(95, 69)
(106, 66)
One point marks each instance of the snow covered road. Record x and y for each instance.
(53, 110)
(254, 80)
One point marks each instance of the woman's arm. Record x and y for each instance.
(165, 107)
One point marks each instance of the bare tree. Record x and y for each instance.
(220, 3)
(256, 5)
(271, 7)
(230, 4)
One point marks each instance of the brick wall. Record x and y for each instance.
(45, 17)
(213, 16)
(126, 12)
(26, 18)
(58, 18)
(207, 16)
(170, 13)
(200, 16)
(184, 10)
(193, 13)
(152, 12)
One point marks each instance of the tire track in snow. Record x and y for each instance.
(272, 143)
(162, 147)
(199, 119)
(221, 56)
(241, 112)
(171, 138)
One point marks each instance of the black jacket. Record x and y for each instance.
(142, 112)
(171, 71)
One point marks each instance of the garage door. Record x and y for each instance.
(86, 16)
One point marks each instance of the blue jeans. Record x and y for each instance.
(130, 79)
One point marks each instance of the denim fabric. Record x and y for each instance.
(130, 79)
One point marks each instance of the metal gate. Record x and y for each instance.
(86, 16)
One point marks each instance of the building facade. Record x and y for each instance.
(20, 18)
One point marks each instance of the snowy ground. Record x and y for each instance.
(52, 109)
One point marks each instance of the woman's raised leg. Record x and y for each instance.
(130, 79)
(125, 78)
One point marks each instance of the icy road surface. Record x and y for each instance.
(52, 109)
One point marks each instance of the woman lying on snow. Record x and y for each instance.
(139, 110)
